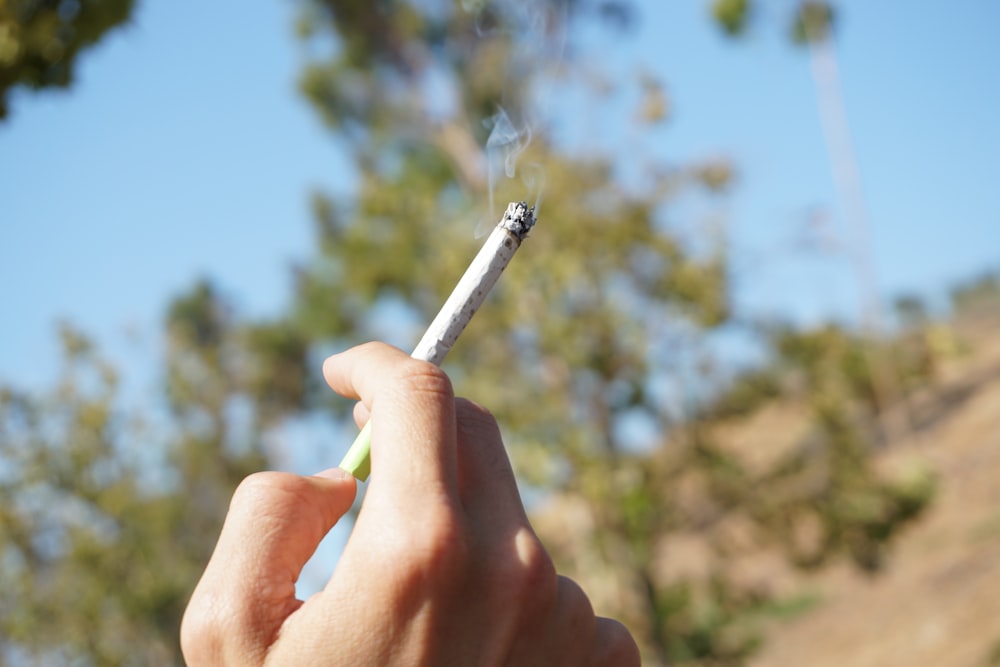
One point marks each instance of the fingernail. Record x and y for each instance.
(333, 473)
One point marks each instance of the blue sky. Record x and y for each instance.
(184, 150)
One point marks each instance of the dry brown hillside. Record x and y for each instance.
(938, 601)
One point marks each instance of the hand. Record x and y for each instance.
(442, 567)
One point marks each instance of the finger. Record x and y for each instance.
(570, 632)
(574, 611)
(361, 414)
(614, 646)
(412, 415)
(274, 524)
(487, 485)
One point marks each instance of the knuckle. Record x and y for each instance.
(424, 378)
(255, 485)
(435, 556)
(526, 581)
(475, 418)
(538, 570)
(446, 542)
(619, 648)
(575, 601)
(474, 411)
(202, 632)
(266, 488)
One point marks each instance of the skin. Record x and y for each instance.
(442, 567)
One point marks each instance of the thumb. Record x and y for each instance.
(275, 522)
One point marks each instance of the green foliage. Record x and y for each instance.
(745, 394)
(41, 39)
(850, 507)
(793, 607)
(828, 489)
(106, 524)
(813, 22)
(731, 15)
(980, 294)
(705, 629)
(911, 311)
(276, 375)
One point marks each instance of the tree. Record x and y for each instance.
(575, 343)
(40, 40)
(106, 521)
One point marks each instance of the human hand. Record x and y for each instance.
(442, 567)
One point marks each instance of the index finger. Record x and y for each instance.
(412, 408)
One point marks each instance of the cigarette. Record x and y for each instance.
(468, 295)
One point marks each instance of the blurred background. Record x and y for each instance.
(747, 365)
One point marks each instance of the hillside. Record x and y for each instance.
(938, 602)
(935, 602)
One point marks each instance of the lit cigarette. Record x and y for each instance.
(465, 300)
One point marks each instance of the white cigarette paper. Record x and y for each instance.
(468, 295)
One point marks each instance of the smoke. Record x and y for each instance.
(506, 141)
(503, 147)
(536, 32)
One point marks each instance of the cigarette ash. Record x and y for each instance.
(518, 219)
